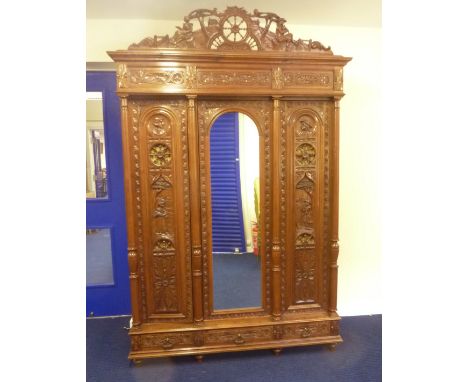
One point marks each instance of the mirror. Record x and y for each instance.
(235, 212)
(96, 174)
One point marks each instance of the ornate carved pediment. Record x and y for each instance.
(233, 29)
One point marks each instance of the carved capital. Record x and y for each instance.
(338, 79)
(122, 76)
(123, 102)
(133, 262)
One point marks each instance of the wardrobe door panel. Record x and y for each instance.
(165, 209)
(306, 133)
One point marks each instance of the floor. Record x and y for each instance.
(237, 280)
(357, 359)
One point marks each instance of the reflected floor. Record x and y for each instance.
(237, 280)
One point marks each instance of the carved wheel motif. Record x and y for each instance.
(234, 28)
(160, 155)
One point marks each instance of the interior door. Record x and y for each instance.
(107, 285)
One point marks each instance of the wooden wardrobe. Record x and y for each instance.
(172, 89)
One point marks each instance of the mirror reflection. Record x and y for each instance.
(96, 174)
(235, 208)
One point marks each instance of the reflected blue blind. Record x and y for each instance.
(226, 204)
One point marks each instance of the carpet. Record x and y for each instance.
(357, 359)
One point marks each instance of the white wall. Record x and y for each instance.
(359, 290)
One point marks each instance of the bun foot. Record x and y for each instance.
(199, 358)
(276, 352)
(137, 362)
(332, 347)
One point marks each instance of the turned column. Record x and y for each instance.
(334, 204)
(276, 197)
(197, 291)
(130, 213)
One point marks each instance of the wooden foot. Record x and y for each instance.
(137, 362)
(199, 358)
(332, 347)
(276, 351)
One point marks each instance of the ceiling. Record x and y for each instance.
(355, 13)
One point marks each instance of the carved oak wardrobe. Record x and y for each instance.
(172, 89)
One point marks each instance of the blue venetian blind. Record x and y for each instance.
(226, 204)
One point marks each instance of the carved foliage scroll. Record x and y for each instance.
(233, 29)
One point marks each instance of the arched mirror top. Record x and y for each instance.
(238, 110)
(234, 29)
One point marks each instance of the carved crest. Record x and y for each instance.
(233, 29)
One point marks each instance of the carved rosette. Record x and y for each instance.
(233, 29)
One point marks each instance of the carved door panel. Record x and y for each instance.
(305, 136)
(261, 113)
(160, 156)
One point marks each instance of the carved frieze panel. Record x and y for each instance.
(239, 336)
(308, 79)
(163, 341)
(245, 78)
(157, 77)
(154, 78)
(312, 329)
(191, 77)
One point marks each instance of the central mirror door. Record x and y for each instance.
(236, 237)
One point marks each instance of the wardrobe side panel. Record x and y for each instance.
(306, 207)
